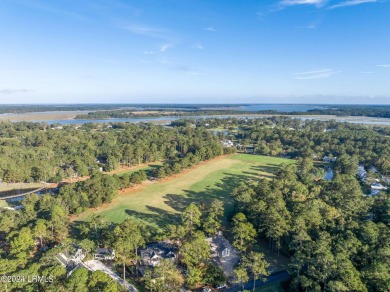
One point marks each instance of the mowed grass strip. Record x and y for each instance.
(160, 203)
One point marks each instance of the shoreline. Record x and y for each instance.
(66, 116)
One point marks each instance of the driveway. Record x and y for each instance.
(95, 265)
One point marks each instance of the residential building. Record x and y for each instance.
(328, 159)
(71, 259)
(227, 143)
(156, 251)
(223, 253)
(104, 254)
(362, 173)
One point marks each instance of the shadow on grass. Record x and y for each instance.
(220, 191)
(152, 169)
(159, 217)
(16, 192)
(270, 168)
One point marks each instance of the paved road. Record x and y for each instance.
(273, 278)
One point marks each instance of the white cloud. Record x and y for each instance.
(212, 29)
(324, 73)
(149, 52)
(351, 3)
(384, 65)
(303, 2)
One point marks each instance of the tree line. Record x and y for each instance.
(34, 152)
(294, 138)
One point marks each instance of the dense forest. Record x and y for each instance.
(337, 239)
(125, 114)
(379, 111)
(36, 152)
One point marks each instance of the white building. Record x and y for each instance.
(227, 143)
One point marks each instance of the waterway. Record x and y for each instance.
(354, 120)
(67, 117)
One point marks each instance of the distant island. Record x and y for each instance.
(109, 111)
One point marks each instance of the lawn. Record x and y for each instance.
(160, 203)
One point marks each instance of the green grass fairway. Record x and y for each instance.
(160, 203)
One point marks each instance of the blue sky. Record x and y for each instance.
(195, 51)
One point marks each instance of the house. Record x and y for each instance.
(378, 186)
(71, 259)
(315, 157)
(374, 192)
(223, 253)
(104, 254)
(156, 251)
(227, 143)
(218, 246)
(362, 173)
(328, 159)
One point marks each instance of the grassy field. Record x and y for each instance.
(160, 203)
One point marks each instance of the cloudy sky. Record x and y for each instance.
(195, 51)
